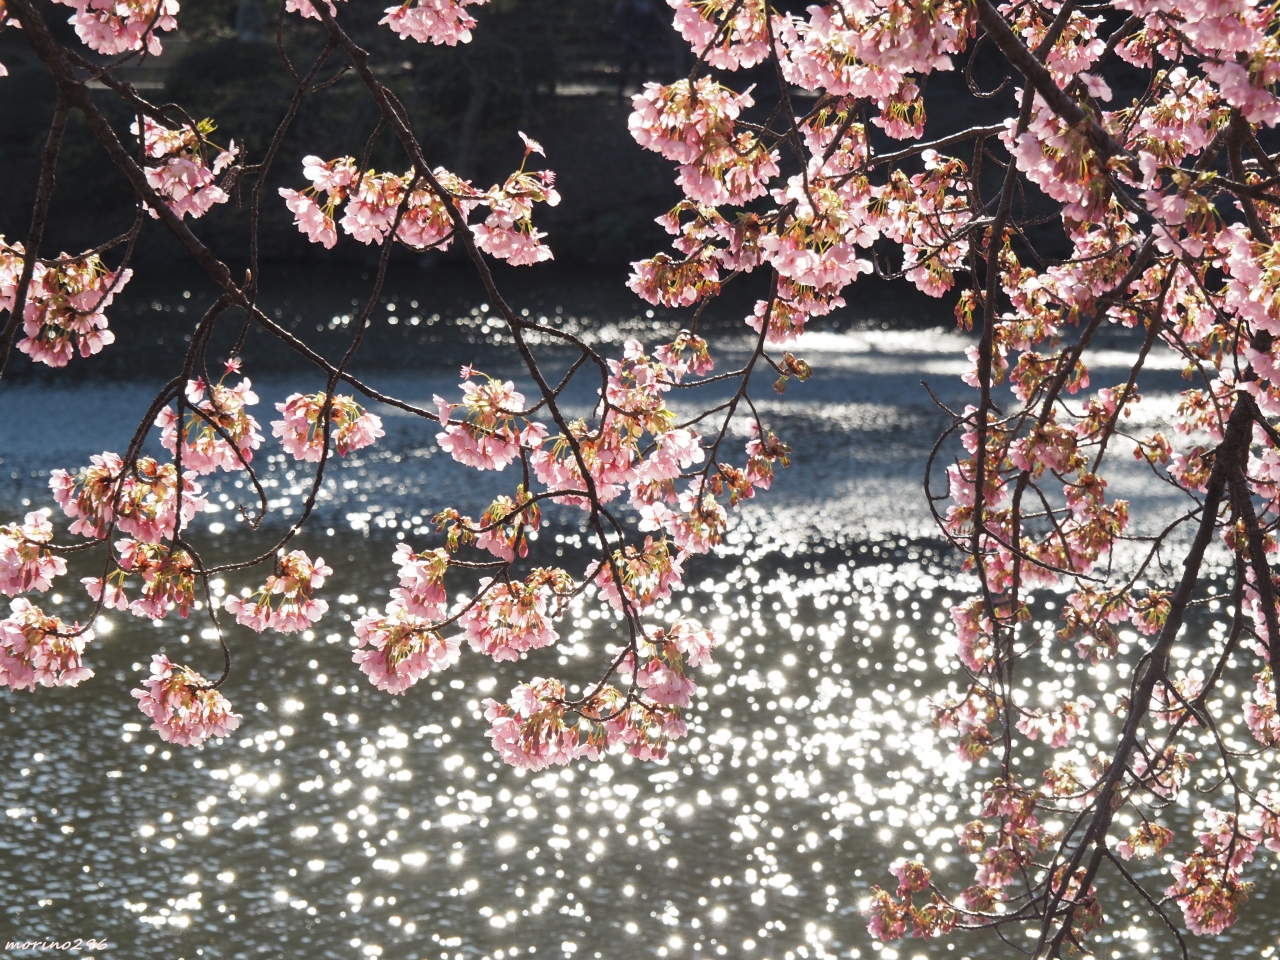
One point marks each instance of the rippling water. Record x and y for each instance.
(341, 822)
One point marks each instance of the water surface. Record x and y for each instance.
(341, 822)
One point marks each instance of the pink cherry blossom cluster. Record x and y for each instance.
(433, 21)
(732, 34)
(421, 214)
(888, 915)
(508, 619)
(508, 232)
(168, 580)
(428, 221)
(694, 124)
(222, 435)
(26, 564)
(697, 228)
(185, 708)
(422, 580)
(532, 731)
(305, 8)
(440, 22)
(1145, 840)
(397, 648)
(142, 501)
(644, 730)
(374, 203)
(503, 529)
(312, 218)
(635, 408)
(37, 649)
(609, 455)
(675, 283)
(1207, 274)
(400, 646)
(868, 52)
(529, 730)
(1235, 41)
(1059, 727)
(647, 575)
(179, 170)
(902, 116)
(667, 656)
(351, 427)
(1208, 885)
(110, 27)
(486, 437)
(612, 454)
(819, 248)
(672, 356)
(970, 719)
(1260, 709)
(831, 214)
(1060, 161)
(63, 312)
(285, 603)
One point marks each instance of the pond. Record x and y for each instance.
(340, 822)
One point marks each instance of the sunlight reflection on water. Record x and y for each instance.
(340, 822)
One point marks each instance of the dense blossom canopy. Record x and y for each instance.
(1122, 176)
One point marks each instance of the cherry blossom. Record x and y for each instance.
(311, 218)
(1069, 217)
(184, 707)
(1207, 884)
(64, 309)
(1144, 840)
(424, 211)
(671, 283)
(398, 648)
(168, 580)
(508, 232)
(1060, 727)
(433, 21)
(487, 437)
(351, 427)
(695, 126)
(110, 27)
(222, 436)
(37, 649)
(26, 563)
(285, 603)
(503, 530)
(428, 219)
(672, 356)
(663, 676)
(741, 41)
(422, 580)
(305, 8)
(648, 575)
(180, 172)
(529, 730)
(143, 501)
(509, 619)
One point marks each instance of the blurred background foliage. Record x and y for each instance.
(561, 70)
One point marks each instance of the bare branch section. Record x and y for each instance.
(1078, 202)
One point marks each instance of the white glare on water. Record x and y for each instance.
(344, 823)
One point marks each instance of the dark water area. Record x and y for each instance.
(340, 822)
(429, 314)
